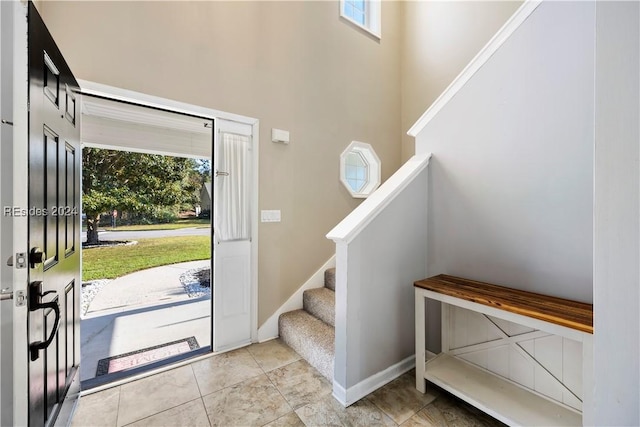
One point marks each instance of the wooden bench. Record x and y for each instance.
(501, 397)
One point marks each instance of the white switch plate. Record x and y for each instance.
(270, 216)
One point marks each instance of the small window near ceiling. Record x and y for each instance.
(364, 14)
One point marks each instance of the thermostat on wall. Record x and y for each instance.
(279, 135)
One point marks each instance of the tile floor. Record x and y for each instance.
(265, 385)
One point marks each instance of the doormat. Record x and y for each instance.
(146, 355)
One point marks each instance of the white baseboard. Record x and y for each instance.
(339, 393)
(269, 329)
(351, 395)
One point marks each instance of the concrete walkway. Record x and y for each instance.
(151, 286)
(142, 310)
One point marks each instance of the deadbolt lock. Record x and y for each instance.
(36, 256)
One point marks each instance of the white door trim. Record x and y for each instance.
(118, 94)
(19, 198)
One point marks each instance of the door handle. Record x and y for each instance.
(35, 303)
(36, 256)
(218, 173)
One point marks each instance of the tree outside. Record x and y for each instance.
(139, 186)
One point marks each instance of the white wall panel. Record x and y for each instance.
(617, 215)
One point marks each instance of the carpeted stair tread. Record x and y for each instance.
(311, 338)
(321, 303)
(330, 278)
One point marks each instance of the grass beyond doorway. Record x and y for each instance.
(116, 261)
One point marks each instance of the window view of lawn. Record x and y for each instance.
(116, 261)
(148, 198)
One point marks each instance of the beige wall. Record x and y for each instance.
(439, 40)
(292, 65)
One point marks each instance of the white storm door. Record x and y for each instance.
(232, 196)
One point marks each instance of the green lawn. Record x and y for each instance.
(183, 223)
(116, 261)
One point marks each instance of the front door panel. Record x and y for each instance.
(54, 239)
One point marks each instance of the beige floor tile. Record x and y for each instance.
(253, 402)
(157, 393)
(400, 399)
(319, 414)
(447, 410)
(190, 414)
(244, 396)
(273, 354)
(97, 409)
(300, 383)
(430, 416)
(460, 414)
(224, 370)
(328, 411)
(363, 413)
(289, 420)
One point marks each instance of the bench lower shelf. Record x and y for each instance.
(497, 397)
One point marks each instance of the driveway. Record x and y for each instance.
(149, 234)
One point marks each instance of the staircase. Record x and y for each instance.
(311, 331)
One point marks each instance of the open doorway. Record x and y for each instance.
(146, 262)
(146, 257)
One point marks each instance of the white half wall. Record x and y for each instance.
(381, 249)
(511, 180)
(617, 215)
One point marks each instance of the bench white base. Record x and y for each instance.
(503, 400)
(507, 400)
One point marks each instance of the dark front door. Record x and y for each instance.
(54, 235)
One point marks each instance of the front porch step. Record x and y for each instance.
(311, 338)
(321, 303)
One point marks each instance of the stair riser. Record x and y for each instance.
(320, 303)
(317, 350)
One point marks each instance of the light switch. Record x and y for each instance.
(270, 216)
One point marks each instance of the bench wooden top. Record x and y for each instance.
(564, 312)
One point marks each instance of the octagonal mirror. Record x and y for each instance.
(359, 169)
